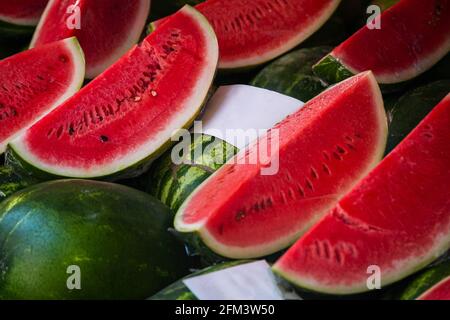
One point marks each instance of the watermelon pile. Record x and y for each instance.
(150, 145)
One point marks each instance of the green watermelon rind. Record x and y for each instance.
(10, 30)
(426, 281)
(172, 183)
(11, 183)
(77, 55)
(332, 71)
(412, 107)
(24, 161)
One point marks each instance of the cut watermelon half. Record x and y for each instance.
(253, 32)
(323, 150)
(125, 117)
(34, 82)
(108, 28)
(22, 12)
(414, 35)
(397, 218)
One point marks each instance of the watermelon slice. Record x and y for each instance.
(34, 82)
(253, 32)
(108, 28)
(231, 108)
(440, 291)
(21, 12)
(125, 117)
(323, 150)
(397, 218)
(414, 35)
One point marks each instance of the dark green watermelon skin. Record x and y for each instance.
(10, 182)
(412, 108)
(178, 291)
(426, 280)
(172, 184)
(292, 74)
(117, 236)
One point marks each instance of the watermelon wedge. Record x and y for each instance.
(252, 32)
(34, 82)
(21, 12)
(397, 218)
(231, 108)
(125, 117)
(440, 291)
(414, 35)
(323, 150)
(107, 28)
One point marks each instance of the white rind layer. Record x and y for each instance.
(76, 82)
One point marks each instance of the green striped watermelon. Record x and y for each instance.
(173, 183)
(292, 74)
(117, 237)
(426, 280)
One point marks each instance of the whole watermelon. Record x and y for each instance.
(78, 239)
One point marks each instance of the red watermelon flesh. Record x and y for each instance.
(128, 114)
(34, 82)
(397, 218)
(108, 28)
(324, 149)
(22, 12)
(414, 35)
(251, 32)
(440, 291)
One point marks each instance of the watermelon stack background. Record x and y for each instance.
(135, 97)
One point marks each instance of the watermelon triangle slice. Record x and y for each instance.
(249, 208)
(413, 36)
(21, 12)
(124, 118)
(106, 29)
(397, 219)
(253, 32)
(34, 82)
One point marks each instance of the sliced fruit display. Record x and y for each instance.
(292, 74)
(114, 238)
(106, 29)
(412, 108)
(396, 219)
(414, 35)
(21, 12)
(228, 117)
(261, 201)
(252, 32)
(126, 117)
(36, 81)
(431, 284)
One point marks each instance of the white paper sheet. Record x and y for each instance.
(245, 108)
(251, 281)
